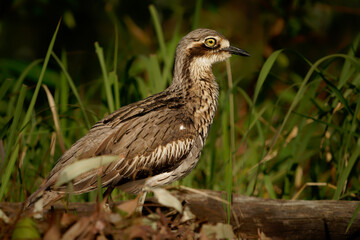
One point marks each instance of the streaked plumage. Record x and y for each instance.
(158, 139)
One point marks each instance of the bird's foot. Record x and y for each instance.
(141, 200)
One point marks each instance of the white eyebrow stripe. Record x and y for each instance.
(225, 43)
(182, 127)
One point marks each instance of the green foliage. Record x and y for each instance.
(26, 229)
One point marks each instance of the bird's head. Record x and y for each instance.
(199, 49)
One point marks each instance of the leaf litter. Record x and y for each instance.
(164, 216)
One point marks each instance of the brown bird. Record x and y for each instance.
(159, 139)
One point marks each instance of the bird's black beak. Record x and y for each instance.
(236, 51)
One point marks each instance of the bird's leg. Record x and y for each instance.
(141, 200)
(106, 197)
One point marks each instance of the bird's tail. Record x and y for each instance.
(48, 197)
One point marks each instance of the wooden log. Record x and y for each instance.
(279, 219)
(254, 217)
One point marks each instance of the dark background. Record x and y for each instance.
(313, 28)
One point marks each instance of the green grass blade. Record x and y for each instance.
(346, 70)
(229, 169)
(353, 218)
(264, 72)
(197, 14)
(143, 88)
(73, 88)
(158, 30)
(167, 56)
(113, 77)
(302, 88)
(227, 158)
(13, 135)
(168, 66)
(338, 94)
(157, 82)
(14, 125)
(5, 86)
(116, 43)
(109, 95)
(269, 187)
(63, 93)
(345, 174)
(36, 92)
(354, 123)
(19, 82)
(24, 73)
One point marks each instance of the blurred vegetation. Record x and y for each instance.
(287, 127)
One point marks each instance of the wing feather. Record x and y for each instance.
(150, 144)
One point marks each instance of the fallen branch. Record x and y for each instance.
(252, 218)
(284, 219)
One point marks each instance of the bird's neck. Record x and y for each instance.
(200, 91)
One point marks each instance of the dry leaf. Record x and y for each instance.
(165, 198)
(129, 206)
(53, 233)
(4, 217)
(292, 134)
(38, 208)
(115, 218)
(140, 232)
(101, 237)
(67, 219)
(262, 235)
(203, 235)
(100, 225)
(220, 231)
(77, 229)
(187, 215)
(151, 220)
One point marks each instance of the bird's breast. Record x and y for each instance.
(203, 102)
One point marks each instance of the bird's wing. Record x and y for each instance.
(148, 144)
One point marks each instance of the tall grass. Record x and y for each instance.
(306, 137)
(295, 136)
(15, 134)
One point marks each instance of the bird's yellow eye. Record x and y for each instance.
(210, 42)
